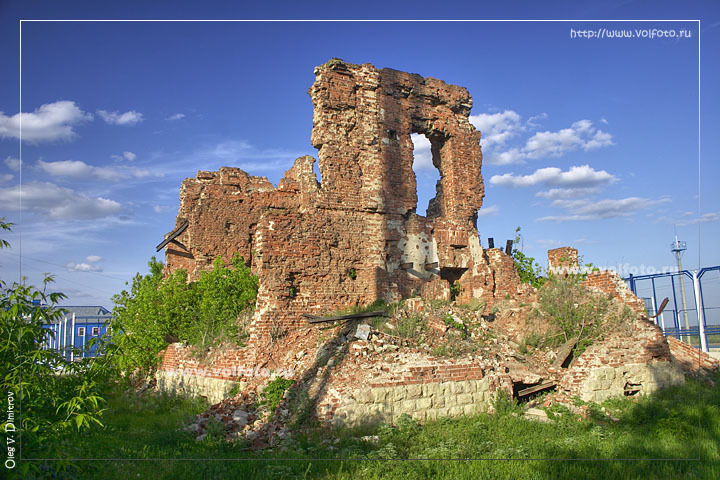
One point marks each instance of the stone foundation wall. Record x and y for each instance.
(602, 383)
(632, 360)
(214, 389)
(422, 402)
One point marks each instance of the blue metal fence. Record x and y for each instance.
(699, 325)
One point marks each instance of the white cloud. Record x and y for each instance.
(88, 266)
(129, 156)
(555, 193)
(584, 209)
(56, 202)
(177, 116)
(81, 170)
(160, 208)
(115, 118)
(497, 128)
(6, 177)
(78, 169)
(422, 156)
(82, 267)
(704, 218)
(576, 177)
(581, 134)
(13, 164)
(489, 210)
(533, 121)
(514, 155)
(51, 121)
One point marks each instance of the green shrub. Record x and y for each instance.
(504, 404)
(274, 391)
(577, 312)
(56, 395)
(201, 313)
(527, 268)
(450, 321)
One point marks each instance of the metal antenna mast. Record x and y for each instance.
(678, 247)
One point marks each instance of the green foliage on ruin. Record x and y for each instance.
(527, 268)
(577, 312)
(274, 391)
(201, 313)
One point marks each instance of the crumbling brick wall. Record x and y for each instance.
(633, 359)
(354, 237)
(562, 260)
(608, 281)
(692, 360)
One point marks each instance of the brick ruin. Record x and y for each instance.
(354, 237)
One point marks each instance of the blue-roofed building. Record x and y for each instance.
(76, 328)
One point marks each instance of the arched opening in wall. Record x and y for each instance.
(426, 174)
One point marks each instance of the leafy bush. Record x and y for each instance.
(57, 395)
(577, 312)
(274, 391)
(200, 313)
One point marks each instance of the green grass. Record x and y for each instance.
(664, 426)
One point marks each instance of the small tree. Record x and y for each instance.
(54, 394)
(152, 309)
(222, 294)
(527, 268)
(577, 312)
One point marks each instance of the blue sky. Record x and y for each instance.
(587, 142)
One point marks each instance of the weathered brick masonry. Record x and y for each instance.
(691, 359)
(354, 238)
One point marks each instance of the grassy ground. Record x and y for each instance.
(665, 426)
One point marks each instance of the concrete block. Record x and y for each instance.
(379, 395)
(363, 396)
(457, 387)
(424, 403)
(397, 394)
(414, 391)
(465, 399)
